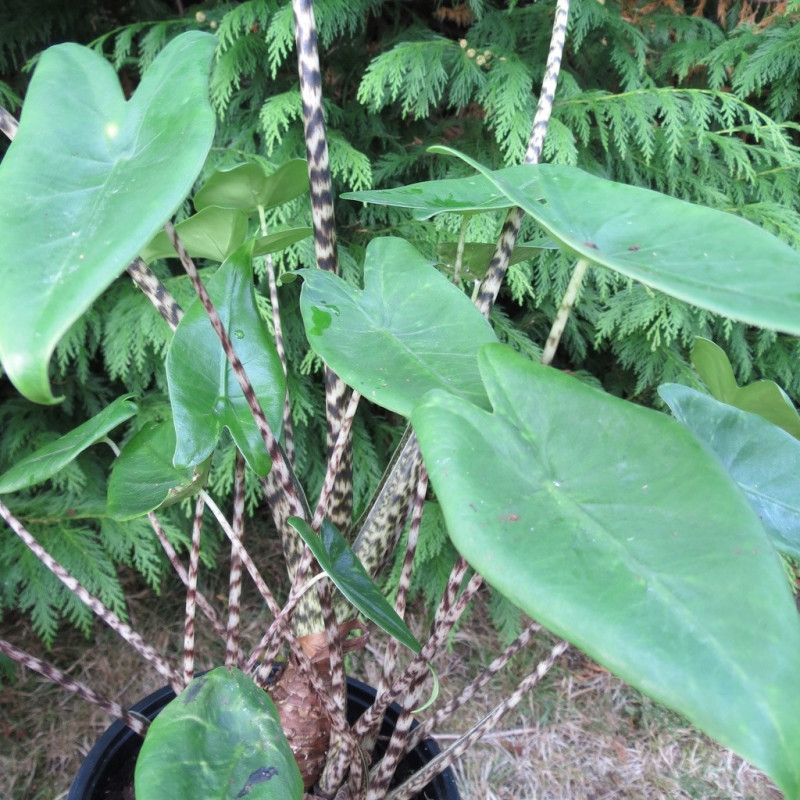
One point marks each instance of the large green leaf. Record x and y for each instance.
(220, 739)
(143, 477)
(711, 259)
(761, 397)
(341, 565)
(614, 527)
(761, 457)
(87, 182)
(50, 459)
(203, 390)
(461, 195)
(408, 331)
(247, 186)
(211, 233)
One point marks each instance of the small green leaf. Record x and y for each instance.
(460, 195)
(246, 186)
(476, 257)
(211, 233)
(409, 330)
(761, 457)
(279, 239)
(711, 259)
(143, 478)
(761, 397)
(220, 739)
(341, 565)
(618, 530)
(203, 389)
(86, 183)
(48, 460)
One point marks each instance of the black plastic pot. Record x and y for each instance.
(110, 763)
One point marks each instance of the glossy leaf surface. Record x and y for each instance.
(203, 389)
(408, 331)
(761, 457)
(711, 259)
(615, 528)
(87, 182)
(143, 477)
(48, 460)
(211, 233)
(220, 739)
(341, 565)
(761, 397)
(247, 186)
(460, 195)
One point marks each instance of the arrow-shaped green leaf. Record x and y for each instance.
(211, 233)
(460, 195)
(203, 389)
(50, 459)
(220, 739)
(761, 397)
(408, 331)
(341, 565)
(143, 477)
(247, 186)
(711, 259)
(615, 528)
(761, 457)
(86, 183)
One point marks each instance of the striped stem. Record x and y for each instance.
(109, 617)
(156, 292)
(450, 609)
(425, 728)
(136, 722)
(172, 556)
(191, 593)
(498, 266)
(322, 214)
(288, 428)
(335, 460)
(8, 124)
(233, 653)
(420, 779)
(562, 317)
(403, 585)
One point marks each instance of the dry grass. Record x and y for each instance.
(583, 735)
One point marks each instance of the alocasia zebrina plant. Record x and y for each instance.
(608, 522)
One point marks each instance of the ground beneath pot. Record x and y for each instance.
(584, 735)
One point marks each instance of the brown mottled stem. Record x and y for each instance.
(8, 123)
(135, 722)
(403, 585)
(322, 214)
(498, 266)
(191, 593)
(420, 779)
(233, 655)
(451, 607)
(288, 428)
(156, 292)
(335, 460)
(172, 556)
(109, 617)
(426, 727)
(562, 317)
